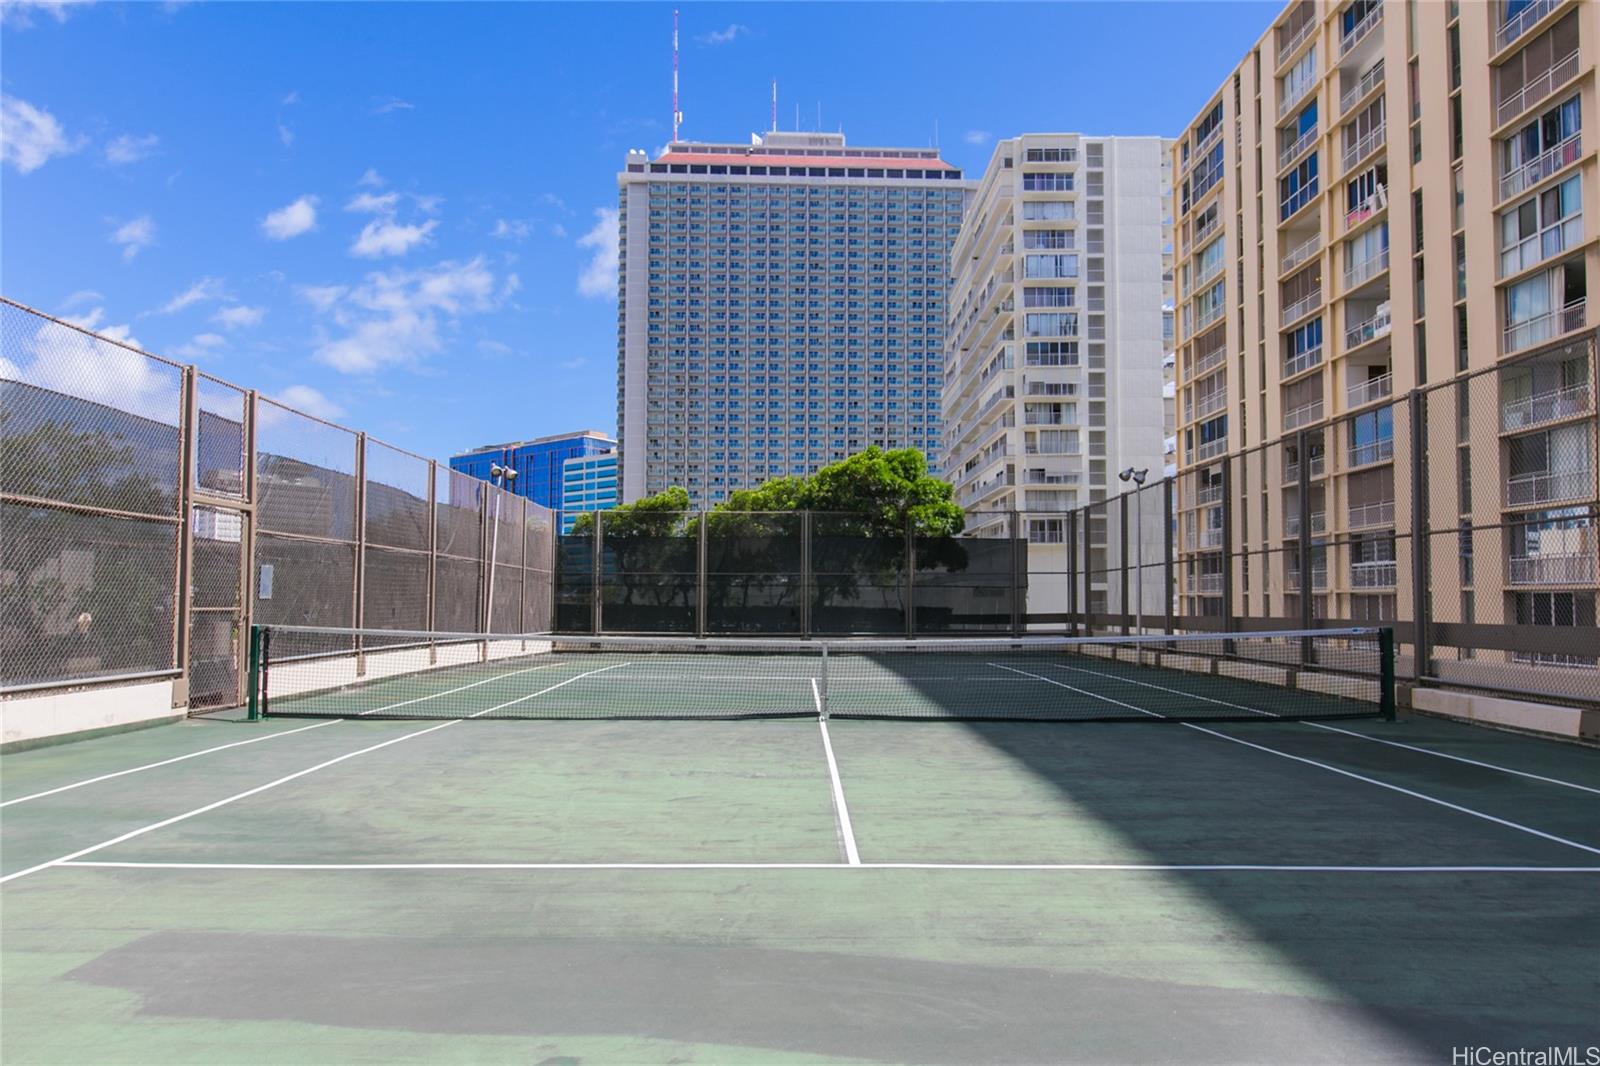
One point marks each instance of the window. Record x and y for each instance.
(1051, 155)
(1541, 226)
(1050, 266)
(1047, 238)
(1206, 173)
(1372, 436)
(1048, 210)
(1210, 258)
(1302, 347)
(1051, 324)
(1208, 125)
(1299, 77)
(1046, 182)
(1552, 128)
(1296, 188)
(1537, 68)
(1048, 296)
(1052, 353)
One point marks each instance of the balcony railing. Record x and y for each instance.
(1374, 574)
(1369, 81)
(1319, 578)
(1574, 568)
(1360, 30)
(1367, 208)
(1304, 361)
(1365, 392)
(1367, 515)
(1289, 154)
(1293, 96)
(1543, 327)
(1209, 404)
(1519, 23)
(1552, 240)
(1370, 267)
(1370, 330)
(1377, 451)
(1208, 494)
(1295, 201)
(1206, 230)
(1546, 407)
(1302, 307)
(1208, 272)
(1209, 584)
(1303, 415)
(1300, 253)
(1210, 361)
(1211, 537)
(1209, 315)
(1291, 469)
(1287, 48)
(1549, 486)
(1365, 146)
(1536, 89)
(1211, 449)
(1541, 166)
(1291, 523)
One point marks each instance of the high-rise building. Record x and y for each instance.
(1060, 320)
(589, 483)
(1426, 436)
(538, 462)
(782, 306)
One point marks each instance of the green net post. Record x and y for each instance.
(1386, 696)
(255, 673)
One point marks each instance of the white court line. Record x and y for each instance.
(166, 762)
(1333, 729)
(1324, 766)
(451, 691)
(841, 811)
(997, 866)
(152, 827)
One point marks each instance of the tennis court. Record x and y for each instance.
(625, 880)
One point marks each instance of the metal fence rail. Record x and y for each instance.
(150, 513)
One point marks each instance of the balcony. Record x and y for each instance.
(1359, 273)
(1303, 415)
(1291, 468)
(1209, 404)
(1302, 307)
(1369, 515)
(1211, 537)
(1210, 227)
(1549, 486)
(1546, 407)
(1209, 584)
(1367, 331)
(1377, 451)
(1291, 523)
(1319, 579)
(1367, 208)
(1375, 574)
(1574, 568)
(1359, 31)
(1550, 241)
(1298, 364)
(1208, 272)
(1541, 328)
(1300, 253)
(1366, 392)
(1306, 29)
(1209, 315)
(1523, 20)
(1291, 153)
(1208, 362)
(1536, 89)
(1368, 143)
(1296, 201)
(1559, 155)
(1293, 96)
(1211, 449)
(1041, 477)
(1368, 82)
(1209, 493)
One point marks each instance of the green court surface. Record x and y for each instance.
(793, 891)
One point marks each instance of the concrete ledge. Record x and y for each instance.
(1574, 723)
(30, 720)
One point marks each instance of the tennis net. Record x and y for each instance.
(309, 672)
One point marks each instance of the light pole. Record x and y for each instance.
(502, 476)
(1137, 477)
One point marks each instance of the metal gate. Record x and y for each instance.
(216, 611)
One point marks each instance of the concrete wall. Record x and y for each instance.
(30, 719)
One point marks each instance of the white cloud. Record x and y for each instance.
(134, 236)
(285, 135)
(29, 137)
(90, 367)
(305, 398)
(555, 201)
(372, 179)
(239, 316)
(511, 229)
(374, 203)
(394, 318)
(201, 346)
(573, 364)
(558, 231)
(82, 296)
(384, 236)
(18, 14)
(130, 149)
(977, 138)
(392, 103)
(427, 204)
(292, 97)
(321, 297)
(200, 292)
(734, 31)
(599, 275)
(495, 348)
(291, 220)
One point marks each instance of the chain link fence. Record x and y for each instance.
(150, 513)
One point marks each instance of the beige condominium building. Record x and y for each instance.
(1059, 319)
(1386, 344)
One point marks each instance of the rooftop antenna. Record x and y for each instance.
(774, 105)
(677, 116)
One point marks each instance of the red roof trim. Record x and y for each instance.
(760, 159)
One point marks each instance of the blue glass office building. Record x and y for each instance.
(538, 462)
(590, 484)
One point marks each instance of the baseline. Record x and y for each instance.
(1065, 866)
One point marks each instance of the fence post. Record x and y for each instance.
(1227, 544)
(911, 580)
(188, 425)
(253, 674)
(1422, 646)
(1386, 695)
(1122, 527)
(433, 552)
(700, 577)
(595, 620)
(1019, 571)
(1168, 577)
(1071, 535)
(360, 591)
(806, 582)
(1307, 584)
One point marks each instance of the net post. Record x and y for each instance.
(254, 668)
(1386, 683)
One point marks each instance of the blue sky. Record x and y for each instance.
(401, 216)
